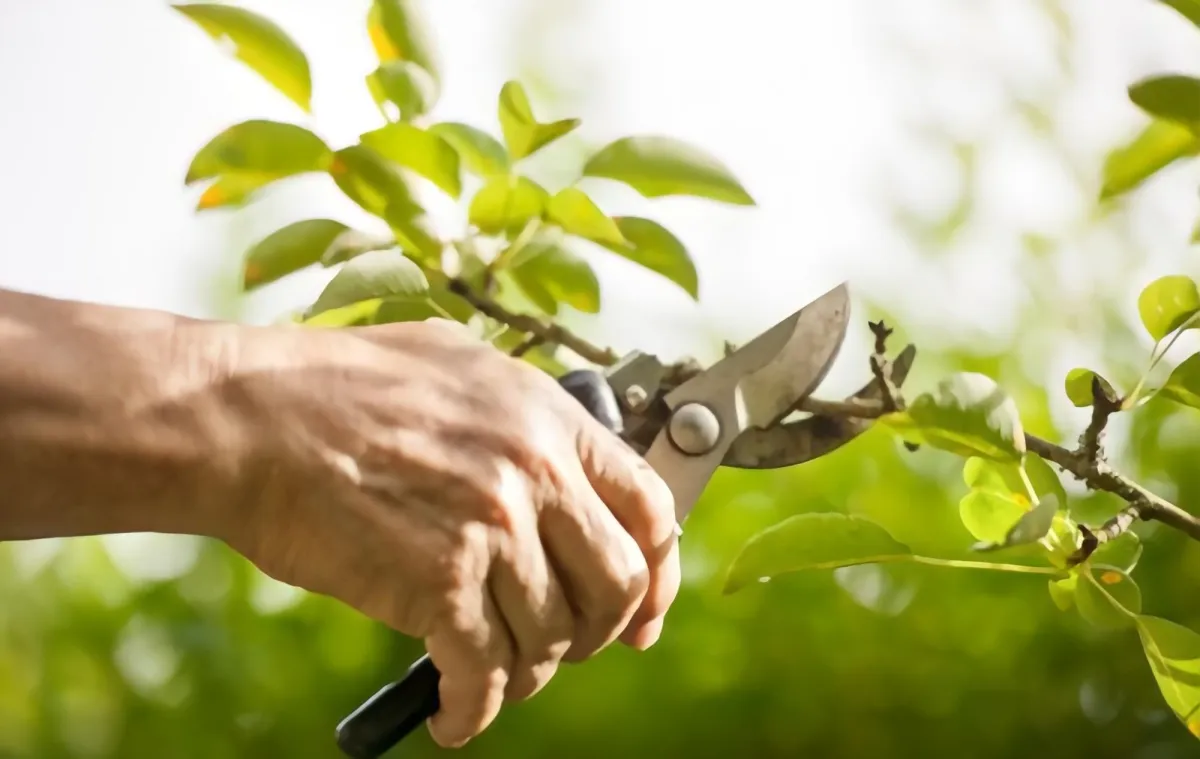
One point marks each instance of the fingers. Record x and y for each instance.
(645, 508)
(600, 566)
(531, 600)
(473, 652)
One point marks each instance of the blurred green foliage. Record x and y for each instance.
(137, 647)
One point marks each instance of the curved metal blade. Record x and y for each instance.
(753, 387)
(794, 443)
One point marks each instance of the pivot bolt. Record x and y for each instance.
(694, 429)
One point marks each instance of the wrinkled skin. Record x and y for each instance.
(457, 495)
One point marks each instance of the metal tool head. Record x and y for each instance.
(754, 387)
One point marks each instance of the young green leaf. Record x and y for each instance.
(289, 249)
(415, 232)
(1174, 97)
(507, 203)
(1078, 385)
(969, 415)
(1157, 146)
(259, 43)
(399, 31)
(1183, 386)
(406, 85)
(1030, 527)
(1174, 655)
(523, 133)
(989, 515)
(549, 274)
(1166, 303)
(378, 274)
(357, 314)
(813, 541)
(370, 180)
(1005, 477)
(421, 151)
(577, 214)
(1062, 592)
(481, 153)
(1189, 9)
(260, 151)
(652, 245)
(1107, 597)
(1123, 552)
(660, 166)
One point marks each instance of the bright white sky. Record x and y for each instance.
(810, 103)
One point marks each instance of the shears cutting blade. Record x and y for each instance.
(729, 413)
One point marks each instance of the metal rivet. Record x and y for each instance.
(694, 429)
(636, 398)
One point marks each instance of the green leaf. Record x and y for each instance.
(1174, 655)
(1189, 9)
(439, 303)
(371, 181)
(523, 133)
(257, 152)
(577, 214)
(1157, 146)
(1183, 386)
(259, 43)
(481, 153)
(1107, 597)
(989, 515)
(289, 249)
(1031, 527)
(406, 85)
(969, 415)
(354, 315)
(1123, 552)
(653, 246)
(399, 31)
(1174, 97)
(660, 166)
(1005, 477)
(507, 203)
(229, 191)
(1078, 385)
(425, 153)
(378, 274)
(1062, 592)
(415, 232)
(1166, 303)
(813, 541)
(549, 274)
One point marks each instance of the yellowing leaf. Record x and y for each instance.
(399, 31)
(523, 133)
(481, 153)
(969, 415)
(507, 203)
(1174, 97)
(1166, 303)
(659, 166)
(289, 249)
(813, 541)
(652, 245)
(1157, 146)
(259, 43)
(577, 214)
(1107, 597)
(423, 152)
(406, 85)
(380, 274)
(549, 274)
(371, 181)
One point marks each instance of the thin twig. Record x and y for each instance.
(880, 367)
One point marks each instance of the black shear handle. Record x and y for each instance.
(398, 708)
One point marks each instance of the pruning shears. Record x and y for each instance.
(686, 423)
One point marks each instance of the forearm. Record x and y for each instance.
(109, 420)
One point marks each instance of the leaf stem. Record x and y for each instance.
(987, 565)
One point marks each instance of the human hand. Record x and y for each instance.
(457, 495)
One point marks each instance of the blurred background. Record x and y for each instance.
(943, 156)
